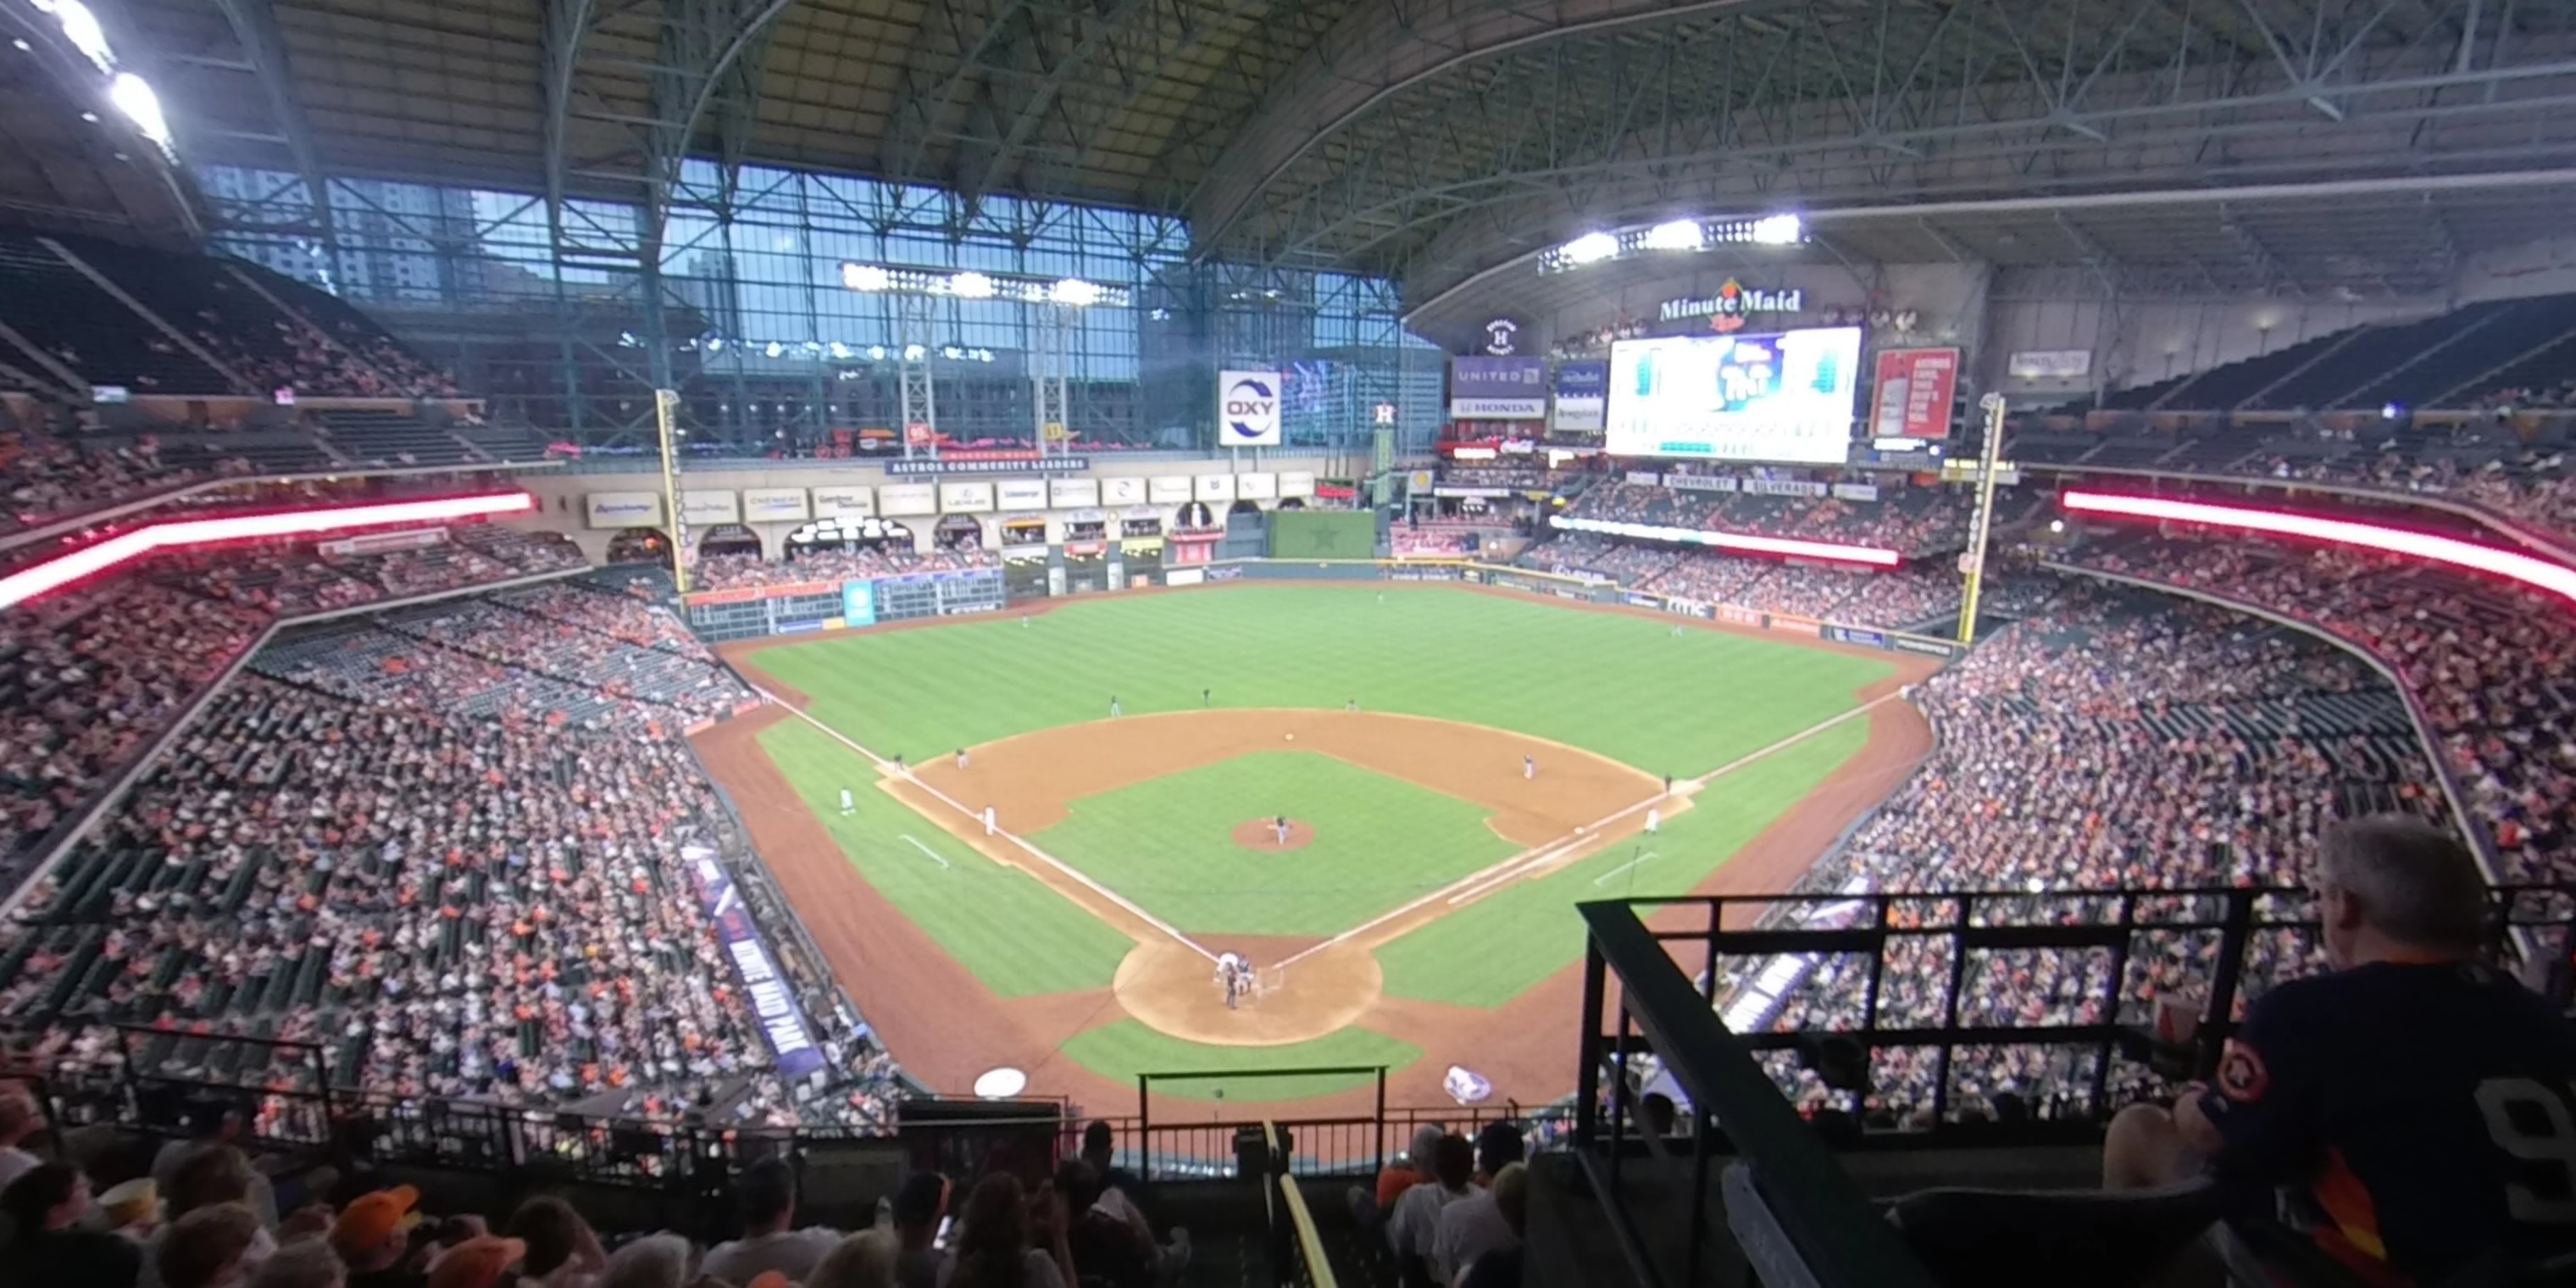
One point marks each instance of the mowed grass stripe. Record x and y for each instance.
(1166, 844)
(1126, 1048)
(1624, 687)
(1017, 936)
(1488, 952)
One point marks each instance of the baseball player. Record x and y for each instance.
(1024, 621)
(1352, 704)
(961, 758)
(1654, 820)
(1668, 784)
(1677, 630)
(1229, 976)
(1113, 705)
(1529, 768)
(846, 803)
(1207, 697)
(1279, 828)
(988, 820)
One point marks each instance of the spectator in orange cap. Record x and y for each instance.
(373, 1235)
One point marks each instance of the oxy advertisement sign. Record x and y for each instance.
(1247, 408)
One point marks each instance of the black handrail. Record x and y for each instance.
(1840, 1238)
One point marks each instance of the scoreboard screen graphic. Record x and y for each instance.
(1785, 397)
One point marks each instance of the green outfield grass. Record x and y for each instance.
(1126, 1048)
(1016, 935)
(1488, 952)
(1165, 844)
(1618, 685)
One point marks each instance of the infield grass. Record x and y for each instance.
(1166, 843)
(1019, 937)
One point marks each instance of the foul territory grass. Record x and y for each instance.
(1166, 844)
(1622, 686)
(1126, 1048)
(1490, 951)
(1019, 937)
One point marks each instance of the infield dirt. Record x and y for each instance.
(947, 1028)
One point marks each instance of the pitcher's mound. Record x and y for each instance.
(1259, 834)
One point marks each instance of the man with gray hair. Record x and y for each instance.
(2412, 1112)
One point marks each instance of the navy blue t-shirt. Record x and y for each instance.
(2422, 1116)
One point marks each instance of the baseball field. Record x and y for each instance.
(1387, 798)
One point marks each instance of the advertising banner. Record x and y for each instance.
(1915, 387)
(1184, 576)
(701, 508)
(1073, 494)
(1247, 408)
(1020, 494)
(1783, 487)
(376, 543)
(1739, 616)
(841, 499)
(1214, 487)
(1856, 491)
(1855, 635)
(1699, 483)
(858, 603)
(1169, 489)
(1256, 487)
(1122, 491)
(989, 463)
(907, 500)
(782, 1021)
(1915, 644)
(1795, 625)
(1582, 396)
(773, 504)
(2049, 364)
(623, 509)
(965, 498)
(1497, 389)
(1645, 478)
(1296, 483)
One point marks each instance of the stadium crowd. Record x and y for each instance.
(43, 476)
(726, 572)
(1910, 520)
(2486, 659)
(205, 1216)
(461, 854)
(2105, 741)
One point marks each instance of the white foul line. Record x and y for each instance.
(978, 815)
(934, 854)
(1604, 878)
(1493, 878)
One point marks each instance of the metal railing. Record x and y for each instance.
(1785, 1185)
(1297, 1247)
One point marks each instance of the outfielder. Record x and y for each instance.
(1113, 704)
(1654, 820)
(846, 803)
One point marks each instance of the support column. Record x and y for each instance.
(919, 392)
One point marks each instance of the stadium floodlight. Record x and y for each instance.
(81, 27)
(2539, 574)
(91, 560)
(1779, 230)
(914, 353)
(1073, 292)
(971, 285)
(133, 96)
(1678, 234)
(775, 349)
(865, 277)
(1591, 248)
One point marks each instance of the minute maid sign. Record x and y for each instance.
(1734, 302)
(1247, 408)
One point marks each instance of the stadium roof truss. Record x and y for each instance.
(1431, 140)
